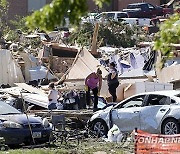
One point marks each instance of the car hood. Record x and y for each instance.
(20, 118)
(101, 113)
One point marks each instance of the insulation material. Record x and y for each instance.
(9, 69)
(83, 65)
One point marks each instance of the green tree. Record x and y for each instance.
(54, 14)
(168, 35)
(19, 23)
(112, 33)
(4, 6)
(18, 27)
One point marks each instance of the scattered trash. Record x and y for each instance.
(3, 147)
(114, 134)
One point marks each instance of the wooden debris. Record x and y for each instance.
(79, 114)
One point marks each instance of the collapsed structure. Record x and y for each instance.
(136, 67)
(10, 70)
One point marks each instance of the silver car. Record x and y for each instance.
(154, 112)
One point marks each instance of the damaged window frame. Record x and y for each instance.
(120, 106)
(159, 98)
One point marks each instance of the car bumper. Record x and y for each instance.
(19, 136)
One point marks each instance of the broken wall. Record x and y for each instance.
(83, 65)
(10, 71)
(61, 64)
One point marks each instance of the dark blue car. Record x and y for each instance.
(14, 127)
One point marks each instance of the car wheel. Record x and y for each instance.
(99, 128)
(167, 15)
(170, 127)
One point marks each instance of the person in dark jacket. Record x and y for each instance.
(113, 82)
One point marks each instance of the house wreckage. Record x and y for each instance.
(26, 77)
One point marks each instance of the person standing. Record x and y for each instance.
(112, 80)
(53, 95)
(93, 82)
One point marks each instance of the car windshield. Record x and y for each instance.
(105, 15)
(7, 109)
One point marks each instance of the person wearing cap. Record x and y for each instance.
(93, 82)
(112, 80)
(53, 95)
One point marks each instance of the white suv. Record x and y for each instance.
(116, 15)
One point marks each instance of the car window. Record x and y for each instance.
(110, 15)
(7, 109)
(158, 100)
(150, 6)
(145, 8)
(134, 102)
(98, 16)
(122, 15)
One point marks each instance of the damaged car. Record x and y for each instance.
(15, 127)
(154, 112)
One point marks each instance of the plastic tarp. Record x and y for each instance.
(83, 65)
(10, 71)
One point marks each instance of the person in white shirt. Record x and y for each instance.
(53, 96)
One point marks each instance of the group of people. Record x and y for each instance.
(93, 82)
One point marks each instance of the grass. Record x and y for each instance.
(89, 146)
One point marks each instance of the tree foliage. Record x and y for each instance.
(113, 33)
(19, 23)
(168, 35)
(4, 6)
(54, 14)
(16, 29)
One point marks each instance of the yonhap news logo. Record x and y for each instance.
(157, 140)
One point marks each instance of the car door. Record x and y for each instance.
(127, 115)
(155, 109)
(152, 10)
